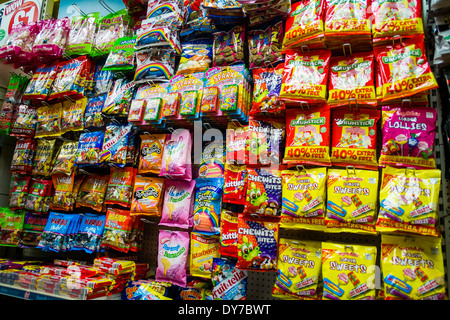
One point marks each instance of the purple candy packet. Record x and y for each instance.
(178, 204)
(264, 191)
(408, 137)
(176, 160)
(173, 248)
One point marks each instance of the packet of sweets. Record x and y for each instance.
(48, 122)
(204, 248)
(173, 248)
(90, 234)
(115, 144)
(352, 196)
(121, 56)
(118, 100)
(213, 159)
(111, 27)
(229, 283)
(228, 233)
(179, 197)
(408, 137)
(151, 152)
(82, 34)
(409, 201)
(41, 83)
(257, 243)
(33, 226)
(6, 118)
(120, 186)
(207, 207)
(413, 268)
(299, 266)
(92, 192)
(73, 115)
(55, 231)
(303, 199)
(50, 41)
(117, 230)
(236, 140)
(93, 118)
(308, 137)
(65, 159)
(70, 79)
(24, 125)
(89, 148)
(63, 196)
(23, 155)
(348, 271)
(176, 159)
(19, 186)
(235, 185)
(147, 196)
(43, 158)
(37, 193)
(354, 138)
(266, 91)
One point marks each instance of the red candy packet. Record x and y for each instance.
(234, 189)
(120, 186)
(228, 234)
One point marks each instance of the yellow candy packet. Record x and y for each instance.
(413, 268)
(203, 249)
(348, 271)
(299, 270)
(352, 196)
(409, 201)
(303, 198)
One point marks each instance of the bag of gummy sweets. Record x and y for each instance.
(176, 161)
(90, 233)
(179, 197)
(82, 34)
(121, 57)
(18, 192)
(207, 207)
(52, 37)
(204, 248)
(117, 230)
(229, 283)
(111, 27)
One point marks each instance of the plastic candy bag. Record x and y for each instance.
(120, 186)
(121, 57)
(90, 234)
(154, 64)
(212, 162)
(73, 115)
(208, 201)
(409, 201)
(82, 34)
(147, 196)
(266, 91)
(92, 192)
(176, 160)
(298, 274)
(236, 141)
(204, 248)
(173, 248)
(151, 152)
(115, 144)
(43, 158)
(228, 47)
(179, 197)
(41, 83)
(64, 160)
(118, 100)
(22, 161)
(25, 119)
(20, 42)
(348, 271)
(19, 186)
(52, 37)
(89, 148)
(196, 56)
(228, 234)
(235, 186)
(93, 118)
(354, 138)
(265, 45)
(111, 27)
(117, 230)
(49, 121)
(229, 283)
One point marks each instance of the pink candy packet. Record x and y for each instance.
(408, 137)
(20, 42)
(173, 248)
(52, 38)
(176, 160)
(178, 204)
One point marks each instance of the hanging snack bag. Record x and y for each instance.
(92, 192)
(228, 234)
(257, 243)
(41, 82)
(121, 56)
(236, 141)
(93, 118)
(228, 47)
(118, 100)
(265, 45)
(73, 115)
(50, 41)
(234, 189)
(147, 196)
(303, 199)
(111, 27)
(305, 76)
(348, 271)
(23, 155)
(354, 137)
(103, 79)
(19, 186)
(409, 201)
(151, 152)
(208, 202)
(70, 79)
(266, 91)
(352, 80)
(173, 248)
(413, 268)
(117, 231)
(404, 69)
(48, 122)
(229, 283)
(299, 266)
(19, 41)
(120, 186)
(352, 197)
(37, 193)
(89, 148)
(204, 248)
(43, 158)
(213, 160)
(308, 136)
(82, 34)
(55, 231)
(90, 234)
(63, 196)
(196, 56)
(154, 64)
(65, 158)
(115, 144)
(25, 119)
(408, 137)
(176, 159)
(6, 118)
(179, 197)
(33, 227)
(305, 24)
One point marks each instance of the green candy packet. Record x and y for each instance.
(82, 34)
(121, 57)
(111, 27)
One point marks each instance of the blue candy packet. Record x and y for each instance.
(229, 282)
(89, 148)
(208, 203)
(90, 232)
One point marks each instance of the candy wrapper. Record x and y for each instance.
(103, 79)
(37, 193)
(118, 101)
(56, 230)
(308, 136)
(204, 248)
(93, 118)
(236, 141)
(413, 268)
(151, 152)
(19, 186)
(409, 201)
(348, 271)
(23, 155)
(33, 226)
(51, 39)
(154, 64)
(121, 57)
(404, 69)
(92, 192)
(235, 186)
(266, 91)
(43, 158)
(117, 231)
(115, 144)
(229, 283)
(352, 80)
(89, 148)
(228, 234)
(257, 243)
(299, 266)
(82, 34)
(49, 121)
(352, 209)
(90, 233)
(228, 47)
(354, 137)
(207, 207)
(408, 137)
(189, 88)
(6, 118)
(147, 196)
(305, 24)
(73, 115)
(196, 56)
(64, 160)
(25, 119)
(19, 42)
(63, 196)
(265, 45)
(303, 199)
(159, 31)
(213, 161)
(176, 160)
(40, 83)
(305, 76)
(120, 186)
(173, 248)
(111, 27)
(12, 228)
(179, 197)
